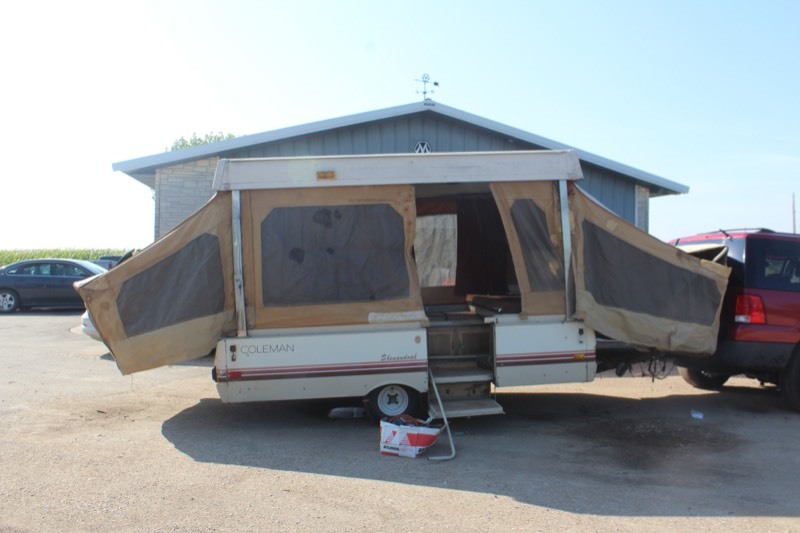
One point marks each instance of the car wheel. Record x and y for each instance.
(392, 400)
(703, 379)
(790, 381)
(9, 301)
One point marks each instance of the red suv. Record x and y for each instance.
(760, 323)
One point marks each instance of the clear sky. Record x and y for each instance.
(702, 92)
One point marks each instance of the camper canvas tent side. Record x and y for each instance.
(391, 277)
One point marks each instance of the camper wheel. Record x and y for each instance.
(392, 400)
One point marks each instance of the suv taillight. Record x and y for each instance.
(750, 309)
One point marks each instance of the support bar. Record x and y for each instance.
(446, 423)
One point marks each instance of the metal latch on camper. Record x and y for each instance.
(233, 352)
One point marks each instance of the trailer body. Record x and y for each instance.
(401, 279)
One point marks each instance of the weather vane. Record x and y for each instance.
(425, 81)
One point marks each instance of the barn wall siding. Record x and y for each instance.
(181, 189)
(613, 190)
(391, 136)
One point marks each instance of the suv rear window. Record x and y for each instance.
(773, 264)
(709, 249)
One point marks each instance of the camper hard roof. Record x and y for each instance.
(386, 169)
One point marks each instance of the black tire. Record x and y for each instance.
(790, 381)
(702, 379)
(392, 400)
(9, 301)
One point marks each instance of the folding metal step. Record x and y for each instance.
(463, 408)
(462, 391)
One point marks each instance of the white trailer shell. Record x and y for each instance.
(354, 361)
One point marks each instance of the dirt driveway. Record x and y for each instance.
(84, 448)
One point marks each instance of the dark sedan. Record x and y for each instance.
(43, 283)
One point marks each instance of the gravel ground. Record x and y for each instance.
(84, 448)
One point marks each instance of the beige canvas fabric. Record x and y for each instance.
(258, 204)
(535, 300)
(182, 340)
(632, 287)
(174, 300)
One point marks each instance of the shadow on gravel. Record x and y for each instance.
(567, 451)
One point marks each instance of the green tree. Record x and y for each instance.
(194, 140)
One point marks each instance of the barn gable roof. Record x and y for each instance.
(143, 168)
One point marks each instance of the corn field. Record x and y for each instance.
(12, 256)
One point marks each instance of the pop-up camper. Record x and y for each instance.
(418, 282)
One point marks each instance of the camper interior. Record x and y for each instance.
(466, 274)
